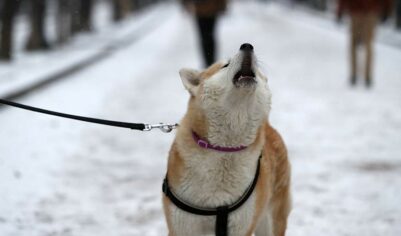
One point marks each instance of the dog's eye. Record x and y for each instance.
(226, 65)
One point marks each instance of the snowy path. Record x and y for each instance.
(60, 177)
(27, 70)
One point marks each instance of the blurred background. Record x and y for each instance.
(334, 68)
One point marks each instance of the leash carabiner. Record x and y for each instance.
(165, 128)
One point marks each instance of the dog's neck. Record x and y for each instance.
(229, 126)
(233, 127)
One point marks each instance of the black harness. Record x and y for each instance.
(221, 212)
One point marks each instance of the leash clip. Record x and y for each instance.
(165, 128)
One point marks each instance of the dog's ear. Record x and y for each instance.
(191, 79)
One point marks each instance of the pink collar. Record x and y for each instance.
(205, 144)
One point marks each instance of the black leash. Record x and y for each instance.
(135, 126)
(221, 213)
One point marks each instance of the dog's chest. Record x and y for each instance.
(217, 181)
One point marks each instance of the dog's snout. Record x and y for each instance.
(247, 58)
(246, 47)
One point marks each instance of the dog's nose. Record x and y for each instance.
(246, 47)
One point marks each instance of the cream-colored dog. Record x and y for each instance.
(214, 160)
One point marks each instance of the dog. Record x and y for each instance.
(224, 151)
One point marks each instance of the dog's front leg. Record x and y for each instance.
(181, 223)
(265, 225)
(281, 204)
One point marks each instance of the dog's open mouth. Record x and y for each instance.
(244, 78)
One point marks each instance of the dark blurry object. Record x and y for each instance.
(319, 4)
(63, 21)
(81, 15)
(365, 14)
(75, 16)
(121, 8)
(134, 5)
(384, 18)
(86, 15)
(37, 39)
(339, 18)
(206, 13)
(398, 15)
(8, 12)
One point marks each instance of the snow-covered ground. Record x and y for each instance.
(28, 69)
(61, 177)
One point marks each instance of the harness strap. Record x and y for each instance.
(222, 221)
(221, 212)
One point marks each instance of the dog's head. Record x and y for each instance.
(234, 85)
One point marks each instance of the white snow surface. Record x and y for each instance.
(67, 178)
(28, 69)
